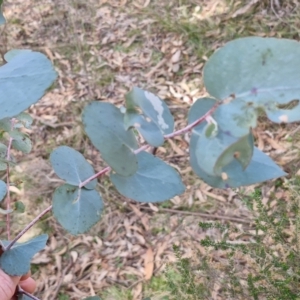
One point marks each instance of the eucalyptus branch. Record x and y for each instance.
(21, 233)
(167, 136)
(106, 126)
(194, 124)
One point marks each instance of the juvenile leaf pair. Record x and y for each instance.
(136, 175)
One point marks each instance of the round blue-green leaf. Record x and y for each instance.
(77, 210)
(146, 127)
(23, 81)
(199, 109)
(155, 181)
(262, 72)
(104, 125)
(208, 159)
(216, 151)
(152, 107)
(8, 56)
(92, 298)
(209, 149)
(71, 166)
(260, 169)
(241, 150)
(236, 117)
(20, 141)
(16, 261)
(213, 154)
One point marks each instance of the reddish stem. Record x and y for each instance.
(194, 124)
(82, 184)
(21, 233)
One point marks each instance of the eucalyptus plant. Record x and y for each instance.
(243, 78)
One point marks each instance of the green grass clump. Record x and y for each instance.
(116, 293)
(257, 262)
(204, 29)
(184, 284)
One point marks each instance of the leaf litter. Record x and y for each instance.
(101, 49)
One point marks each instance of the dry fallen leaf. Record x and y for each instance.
(244, 9)
(144, 218)
(137, 291)
(176, 57)
(149, 264)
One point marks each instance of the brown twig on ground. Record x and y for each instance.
(204, 215)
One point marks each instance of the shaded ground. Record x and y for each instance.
(100, 50)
